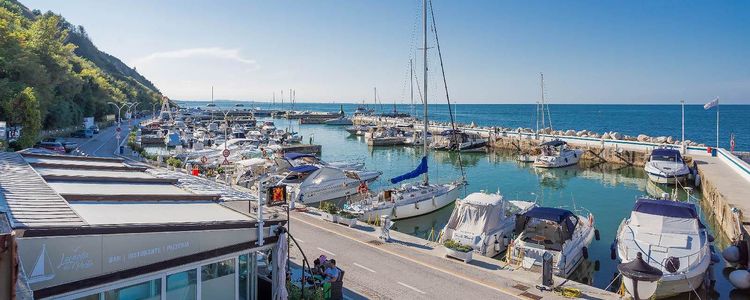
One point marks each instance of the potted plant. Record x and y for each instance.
(457, 250)
(347, 218)
(329, 211)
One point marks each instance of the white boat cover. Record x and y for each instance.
(478, 213)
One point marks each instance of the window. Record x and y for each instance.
(182, 286)
(217, 280)
(149, 290)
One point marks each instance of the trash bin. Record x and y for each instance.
(122, 149)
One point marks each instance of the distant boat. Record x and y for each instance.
(666, 166)
(555, 154)
(340, 121)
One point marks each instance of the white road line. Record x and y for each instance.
(326, 251)
(363, 267)
(301, 241)
(102, 145)
(411, 287)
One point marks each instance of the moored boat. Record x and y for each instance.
(556, 154)
(666, 166)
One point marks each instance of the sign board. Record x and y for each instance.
(226, 162)
(276, 195)
(3, 131)
(204, 159)
(51, 261)
(109, 117)
(225, 153)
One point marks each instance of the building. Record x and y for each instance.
(100, 228)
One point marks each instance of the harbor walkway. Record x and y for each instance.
(725, 189)
(413, 268)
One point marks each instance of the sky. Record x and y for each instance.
(607, 52)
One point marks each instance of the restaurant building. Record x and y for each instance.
(100, 228)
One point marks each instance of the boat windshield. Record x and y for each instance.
(543, 232)
(663, 158)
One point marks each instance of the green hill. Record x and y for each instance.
(52, 75)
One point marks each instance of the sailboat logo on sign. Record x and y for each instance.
(42, 268)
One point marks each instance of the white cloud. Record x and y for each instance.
(213, 52)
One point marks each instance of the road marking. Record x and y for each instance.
(298, 240)
(363, 267)
(504, 291)
(102, 145)
(326, 251)
(411, 287)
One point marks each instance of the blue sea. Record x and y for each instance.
(652, 120)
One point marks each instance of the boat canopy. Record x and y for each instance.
(563, 217)
(477, 213)
(666, 208)
(665, 216)
(303, 168)
(555, 143)
(667, 153)
(294, 155)
(421, 169)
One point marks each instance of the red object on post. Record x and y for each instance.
(195, 171)
(708, 149)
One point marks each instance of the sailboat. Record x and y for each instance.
(415, 198)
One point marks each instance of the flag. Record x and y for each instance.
(711, 104)
(731, 143)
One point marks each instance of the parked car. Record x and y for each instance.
(83, 133)
(52, 146)
(94, 129)
(68, 145)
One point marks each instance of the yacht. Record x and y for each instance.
(671, 238)
(666, 166)
(312, 184)
(457, 140)
(340, 121)
(358, 130)
(557, 231)
(556, 154)
(385, 136)
(486, 222)
(297, 159)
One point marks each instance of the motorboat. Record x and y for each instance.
(293, 159)
(358, 130)
(666, 166)
(556, 154)
(311, 184)
(457, 140)
(559, 232)
(385, 136)
(670, 237)
(484, 221)
(416, 139)
(340, 121)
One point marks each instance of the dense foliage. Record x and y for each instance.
(52, 75)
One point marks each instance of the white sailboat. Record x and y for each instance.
(415, 198)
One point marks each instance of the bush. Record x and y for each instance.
(330, 208)
(312, 293)
(174, 162)
(346, 214)
(453, 245)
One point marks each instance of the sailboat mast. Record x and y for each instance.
(424, 80)
(542, 84)
(411, 87)
(212, 94)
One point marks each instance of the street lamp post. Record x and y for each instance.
(131, 105)
(119, 120)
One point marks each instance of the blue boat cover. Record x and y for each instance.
(554, 143)
(666, 153)
(666, 208)
(421, 169)
(294, 155)
(303, 168)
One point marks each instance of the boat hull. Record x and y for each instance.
(418, 208)
(657, 178)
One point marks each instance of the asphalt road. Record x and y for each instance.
(374, 274)
(103, 144)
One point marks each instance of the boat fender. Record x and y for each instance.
(672, 264)
(731, 254)
(697, 180)
(613, 250)
(505, 241)
(585, 252)
(740, 279)
(497, 245)
(711, 238)
(596, 234)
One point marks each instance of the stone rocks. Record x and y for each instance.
(605, 136)
(570, 132)
(660, 140)
(670, 140)
(616, 135)
(643, 138)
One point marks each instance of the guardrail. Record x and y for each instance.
(741, 167)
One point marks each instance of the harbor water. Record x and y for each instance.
(607, 190)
